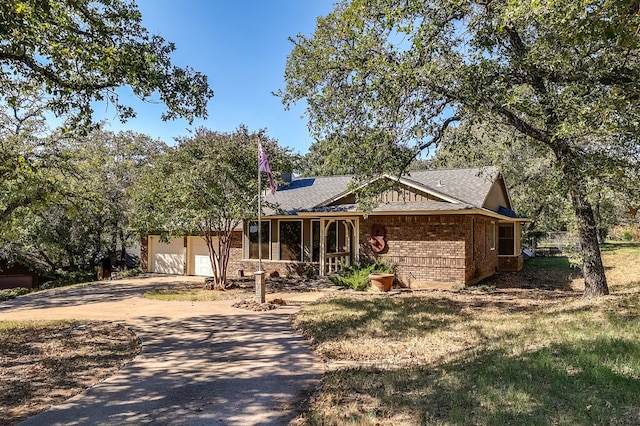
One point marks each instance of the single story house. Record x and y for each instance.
(439, 228)
(18, 275)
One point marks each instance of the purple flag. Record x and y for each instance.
(263, 166)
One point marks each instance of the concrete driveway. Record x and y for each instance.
(202, 363)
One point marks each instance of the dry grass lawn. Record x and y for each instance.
(522, 348)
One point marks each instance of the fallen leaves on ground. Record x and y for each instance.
(43, 363)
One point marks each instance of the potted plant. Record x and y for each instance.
(382, 281)
(382, 276)
(358, 276)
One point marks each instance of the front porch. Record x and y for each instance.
(339, 243)
(292, 246)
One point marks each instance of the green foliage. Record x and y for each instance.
(79, 52)
(64, 279)
(356, 276)
(12, 293)
(626, 233)
(84, 212)
(128, 273)
(26, 156)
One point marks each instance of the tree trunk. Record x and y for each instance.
(595, 281)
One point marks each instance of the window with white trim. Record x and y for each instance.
(291, 240)
(253, 239)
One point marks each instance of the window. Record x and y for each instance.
(315, 241)
(492, 236)
(506, 240)
(253, 240)
(291, 240)
(337, 237)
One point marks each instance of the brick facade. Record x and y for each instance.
(510, 263)
(433, 250)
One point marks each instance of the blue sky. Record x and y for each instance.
(241, 45)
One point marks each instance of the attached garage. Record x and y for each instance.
(199, 263)
(167, 258)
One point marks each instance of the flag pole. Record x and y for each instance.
(259, 275)
(259, 211)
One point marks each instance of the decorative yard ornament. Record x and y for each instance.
(378, 244)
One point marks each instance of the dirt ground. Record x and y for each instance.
(43, 364)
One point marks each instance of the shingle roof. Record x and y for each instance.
(467, 187)
(306, 193)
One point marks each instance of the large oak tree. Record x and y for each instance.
(62, 56)
(81, 51)
(379, 75)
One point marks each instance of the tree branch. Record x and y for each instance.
(434, 140)
(51, 76)
(521, 125)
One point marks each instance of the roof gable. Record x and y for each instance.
(470, 186)
(402, 193)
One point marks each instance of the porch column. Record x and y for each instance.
(356, 240)
(348, 226)
(323, 247)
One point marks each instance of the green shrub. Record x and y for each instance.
(127, 273)
(69, 278)
(12, 293)
(356, 276)
(626, 235)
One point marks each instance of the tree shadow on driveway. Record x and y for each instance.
(249, 368)
(95, 292)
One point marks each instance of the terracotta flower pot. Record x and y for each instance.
(382, 282)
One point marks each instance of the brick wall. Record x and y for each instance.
(433, 251)
(510, 263)
(483, 260)
(427, 250)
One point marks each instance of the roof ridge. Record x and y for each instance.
(480, 168)
(455, 169)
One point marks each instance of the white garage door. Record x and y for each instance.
(199, 257)
(167, 258)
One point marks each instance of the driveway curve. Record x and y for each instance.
(202, 363)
